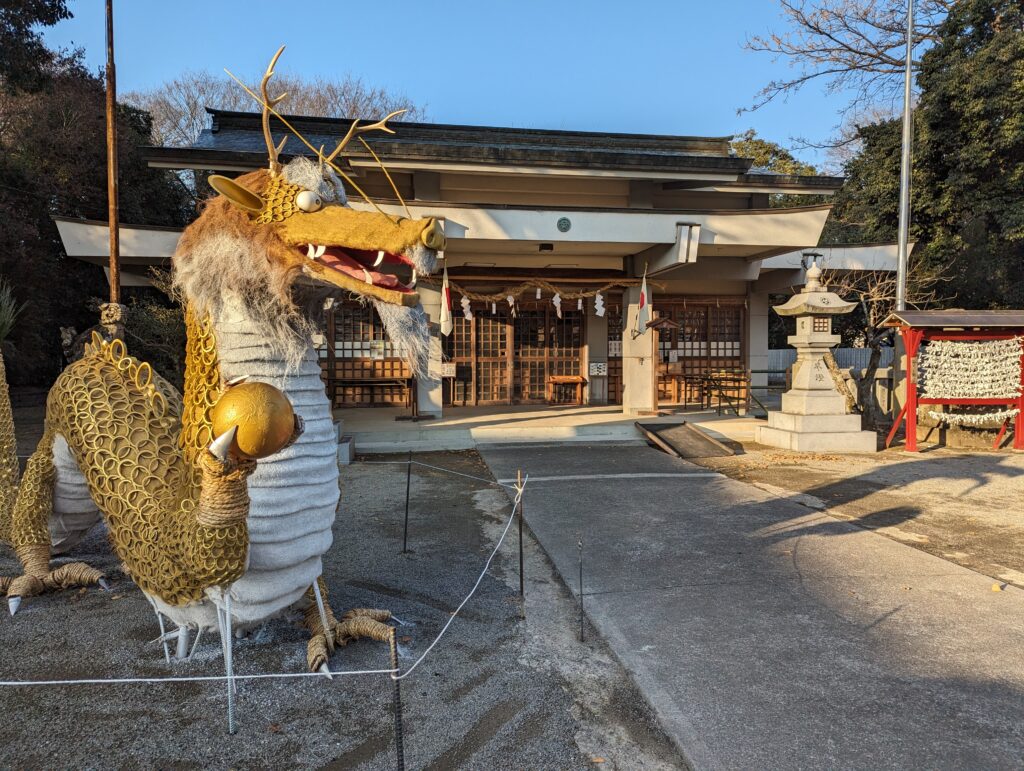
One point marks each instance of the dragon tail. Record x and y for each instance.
(8, 458)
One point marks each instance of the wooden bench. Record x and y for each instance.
(578, 381)
(375, 382)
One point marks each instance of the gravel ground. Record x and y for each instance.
(962, 506)
(497, 692)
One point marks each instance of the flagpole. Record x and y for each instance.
(905, 160)
(643, 313)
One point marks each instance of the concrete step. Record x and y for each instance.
(847, 441)
(438, 438)
(814, 423)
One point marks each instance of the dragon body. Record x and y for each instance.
(191, 520)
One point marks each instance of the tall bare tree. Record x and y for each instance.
(179, 106)
(848, 45)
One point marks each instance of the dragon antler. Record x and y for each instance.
(355, 129)
(273, 151)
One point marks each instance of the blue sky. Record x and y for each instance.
(642, 66)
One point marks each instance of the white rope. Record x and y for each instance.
(487, 565)
(195, 679)
(972, 419)
(396, 674)
(460, 474)
(436, 468)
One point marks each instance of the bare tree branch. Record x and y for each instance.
(875, 293)
(179, 106)
(850, 45)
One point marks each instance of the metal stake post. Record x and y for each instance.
(399, 738)
(408, 482)
(579, 545)
(522, 587)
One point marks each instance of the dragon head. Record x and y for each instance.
(307, 228)
(282, 240)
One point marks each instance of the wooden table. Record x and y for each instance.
(731, 387)
(578, 381)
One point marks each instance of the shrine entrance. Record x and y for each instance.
(504, 359)
(710, 342)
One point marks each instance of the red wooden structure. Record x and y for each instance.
(921, 326)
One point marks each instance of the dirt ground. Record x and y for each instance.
(497, 692)
(966, 507)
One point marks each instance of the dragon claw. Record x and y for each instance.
(325, 671)
(104, 584)
(13, 603)
(220, 446)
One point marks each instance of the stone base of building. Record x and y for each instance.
(816, 433)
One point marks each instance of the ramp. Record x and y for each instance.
(683, 440)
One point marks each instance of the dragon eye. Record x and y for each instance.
(308, 201)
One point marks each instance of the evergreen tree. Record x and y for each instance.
(24, 58)
(967, 191)
(970, 150)
(53, 162)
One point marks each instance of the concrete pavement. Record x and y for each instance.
(769, 635)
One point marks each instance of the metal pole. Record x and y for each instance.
(112, 211)
(408, 482)
(399, 738)
(908, 138)
(522, 587)
(579, 545)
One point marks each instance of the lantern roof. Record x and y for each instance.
(815, 299)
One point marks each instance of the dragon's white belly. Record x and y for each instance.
(293, 494)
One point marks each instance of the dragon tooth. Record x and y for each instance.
(413, 282)
(380, 258)
(309, 251)
(367, 277)
(320, 249)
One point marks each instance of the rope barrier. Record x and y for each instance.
(436, 468)
(487, 565)
(192, 679)
(394, 673)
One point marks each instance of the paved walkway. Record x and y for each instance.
(375, 429)
(769, 635)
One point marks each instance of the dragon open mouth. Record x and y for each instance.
(364, 265)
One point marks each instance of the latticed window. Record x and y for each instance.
(501, 359)
(614, 316)
(361, 357)
(710, 338)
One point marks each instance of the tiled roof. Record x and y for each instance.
(237, 135)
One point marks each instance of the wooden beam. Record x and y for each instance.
(657, 259)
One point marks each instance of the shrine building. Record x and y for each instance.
(580, 210)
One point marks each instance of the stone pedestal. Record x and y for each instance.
(813, 416)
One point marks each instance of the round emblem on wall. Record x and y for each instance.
(564, 224)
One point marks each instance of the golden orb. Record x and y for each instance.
(263, 414)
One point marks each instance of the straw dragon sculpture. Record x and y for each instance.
(191, 519)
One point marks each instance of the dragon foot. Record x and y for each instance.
(63, 577)
(355, 624)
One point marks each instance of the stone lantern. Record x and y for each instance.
(813, 416)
